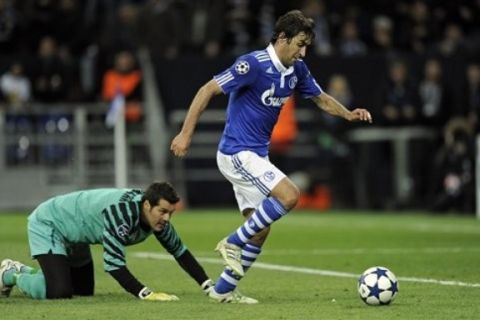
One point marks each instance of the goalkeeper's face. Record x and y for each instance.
(157, 216)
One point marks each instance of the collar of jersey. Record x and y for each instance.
(276, 61)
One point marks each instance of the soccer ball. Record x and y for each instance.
(377, 286)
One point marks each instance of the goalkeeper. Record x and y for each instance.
(61, 230)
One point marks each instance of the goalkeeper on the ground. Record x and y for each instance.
(61, 230)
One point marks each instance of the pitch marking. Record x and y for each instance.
(328, 273)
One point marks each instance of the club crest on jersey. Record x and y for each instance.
(269, 176)
(292, 82)
(123, 230)
(242, 67)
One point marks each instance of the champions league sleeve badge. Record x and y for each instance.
(242, 67)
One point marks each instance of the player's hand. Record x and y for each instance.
(360, 115)
(160, 296)
(148, 295)
(180, 145)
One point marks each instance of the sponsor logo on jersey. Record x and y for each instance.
(269, 176)
(242, 67)
(123, 230)
(292, 82)
(269, 100)
(269, 70)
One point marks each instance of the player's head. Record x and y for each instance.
(293, 33)
(158, 204)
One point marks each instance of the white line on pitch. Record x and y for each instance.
(330, 273)
(385, 251)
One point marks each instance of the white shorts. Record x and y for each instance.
(253, 177)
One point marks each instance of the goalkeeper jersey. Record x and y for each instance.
(111, 217)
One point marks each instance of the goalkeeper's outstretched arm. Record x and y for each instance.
(126, 279)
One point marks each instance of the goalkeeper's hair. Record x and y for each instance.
(160, 190)
(291, 24)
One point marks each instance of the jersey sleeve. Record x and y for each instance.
(242, 73)
(117, 226)
(171, 241)
(307, 85)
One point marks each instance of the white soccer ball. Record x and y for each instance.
(377, 286)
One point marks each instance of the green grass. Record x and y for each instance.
(411, 245)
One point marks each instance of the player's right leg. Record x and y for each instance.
(47, 246)
(282, 198)
(254, 180)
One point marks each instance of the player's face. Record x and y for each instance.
(158, 216)
(293, 49)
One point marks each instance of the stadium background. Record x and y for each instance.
(372, 184)
(59, 60)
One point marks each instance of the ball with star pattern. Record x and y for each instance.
(377, 286)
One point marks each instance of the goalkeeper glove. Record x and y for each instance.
(149, 295)
(207, 286)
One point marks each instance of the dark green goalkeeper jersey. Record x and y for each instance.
(110, 217)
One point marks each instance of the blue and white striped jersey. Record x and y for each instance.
(259, 85)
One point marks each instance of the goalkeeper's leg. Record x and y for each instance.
(83, 280)
(53, 282)
(81, 269)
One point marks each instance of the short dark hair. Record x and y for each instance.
(291, 24)
(160, 190)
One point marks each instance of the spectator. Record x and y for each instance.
(161, 29)
(432, 93)
(399, 97)
(316, 9)
(240, 26)
(416, 31)
(452, 42)
(472, 95)
(350, 43)
(121, 33)
(49, 73)
(453, 186)
(15, 87)
(382, 34)
(205, 25)
(13, 28)
(124, 79)
(339, 88)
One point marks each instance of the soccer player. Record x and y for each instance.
(258, 84)
(61, 229)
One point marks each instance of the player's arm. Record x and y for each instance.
(114, 259)
(181, 142)
(171, 241)
(329, 104)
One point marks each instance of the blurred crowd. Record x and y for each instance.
(86, 51)
(75, 42)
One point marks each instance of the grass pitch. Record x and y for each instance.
(308, 269)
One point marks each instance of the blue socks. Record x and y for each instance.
(228, 280)
(269, 211)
